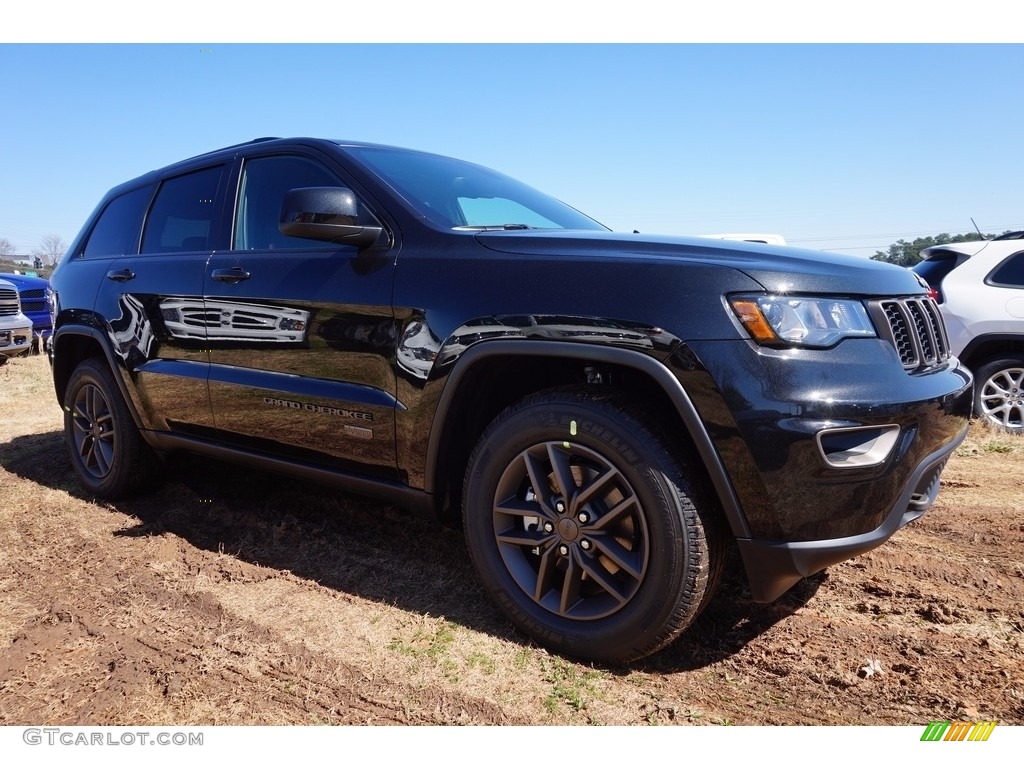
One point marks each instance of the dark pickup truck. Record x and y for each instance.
(605, 413)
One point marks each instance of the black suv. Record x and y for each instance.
(605, 412)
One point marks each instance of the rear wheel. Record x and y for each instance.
(586, 530)
(999, 394)
(106, 450)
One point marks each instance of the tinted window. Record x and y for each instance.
(1010, 273)
(264, 183)
(182, 216)
(935, 268)
(117, 231)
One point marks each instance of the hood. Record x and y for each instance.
(24, 282)
(780, 269)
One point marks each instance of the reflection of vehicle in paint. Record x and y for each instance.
(480, 329)
(588, 329)
(417, 349)
(15, 326)
(565, 327)
(132, 332)
(215, 320)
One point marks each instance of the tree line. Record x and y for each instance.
(908, 254)
(50, 249)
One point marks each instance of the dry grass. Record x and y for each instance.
(229, 597)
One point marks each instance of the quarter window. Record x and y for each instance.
(1010, 273)
(117, 231)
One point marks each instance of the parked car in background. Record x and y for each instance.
(15, 327)
(979, 287)
(32, 292)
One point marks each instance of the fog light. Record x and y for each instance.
(849, 447)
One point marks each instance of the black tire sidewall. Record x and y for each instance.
(668, 585)
(120, 478)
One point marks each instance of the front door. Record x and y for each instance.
(300, 332)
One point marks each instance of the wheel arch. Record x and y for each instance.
(72, 344)
(460, 416)
(982, 349)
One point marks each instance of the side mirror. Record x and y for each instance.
(327, 213)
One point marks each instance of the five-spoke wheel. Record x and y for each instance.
(999, 394)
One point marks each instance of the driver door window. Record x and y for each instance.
(264, 183)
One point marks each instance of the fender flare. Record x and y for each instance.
(626, 358)
(101, 339)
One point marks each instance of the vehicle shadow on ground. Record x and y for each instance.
(361, 547)
(729, 622)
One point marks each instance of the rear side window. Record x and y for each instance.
(182, 215)
(1010, 273)
(935, 268)
(117, 231)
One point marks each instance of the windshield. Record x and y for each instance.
(460, 195)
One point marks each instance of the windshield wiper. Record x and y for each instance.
(493, 227)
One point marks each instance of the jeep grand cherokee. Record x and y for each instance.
(604, 412)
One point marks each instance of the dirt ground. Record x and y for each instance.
(230, 597)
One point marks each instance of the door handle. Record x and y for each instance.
(121, 275)
(232, 276)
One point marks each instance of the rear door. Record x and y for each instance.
(301, 333)
(165, 364)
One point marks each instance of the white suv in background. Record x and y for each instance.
(980, 290)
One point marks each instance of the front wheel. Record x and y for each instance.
(594, 538)
(999, 394)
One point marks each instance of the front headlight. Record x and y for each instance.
(801, 320)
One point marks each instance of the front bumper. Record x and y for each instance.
(15, 340)
(774, 566)
(782, 421)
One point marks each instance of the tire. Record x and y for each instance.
(999, 394)
(106, 450)
(585, 530)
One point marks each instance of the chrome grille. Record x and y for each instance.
(9, 304)
(915, 329)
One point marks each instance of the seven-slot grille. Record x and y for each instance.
(9, 304)
(914, 327)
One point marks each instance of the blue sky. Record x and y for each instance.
(835, 146)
